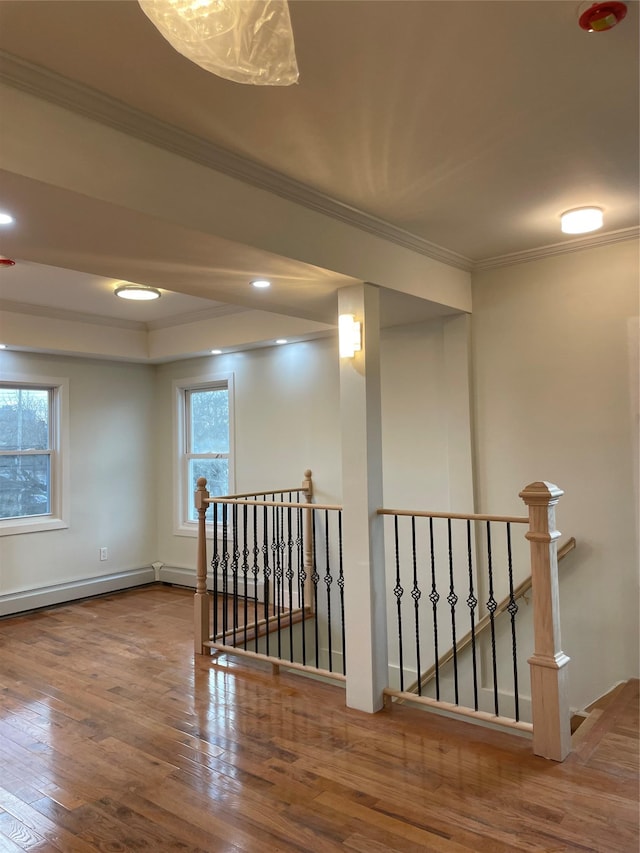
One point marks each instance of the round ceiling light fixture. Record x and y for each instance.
(600, 17)
(7, 262)
(6, 218)
(282, 341)
(261, 282)
(581, 220)
(137, 292)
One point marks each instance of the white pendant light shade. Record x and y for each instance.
(247, 41)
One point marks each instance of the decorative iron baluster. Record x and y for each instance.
(266, 573)
(398, 592)
(452, 598)
(315, 578)
(328, 580)
(434, 598)
(341, 587)
(472, 603)
(302, 578)
(234, 568)
(277, 571)
(512, 608)
(245, 570)
(289, 576)
(415, 594)
(224, 565)
(256, 572)
(492, 604)
(215, 562)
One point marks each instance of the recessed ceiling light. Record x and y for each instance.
(3, 346)
(137, 292)
(6, 218)
(581, 220)
(281, 341)
(216, 352)
(261, 282)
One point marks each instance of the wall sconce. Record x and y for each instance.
(349, 335)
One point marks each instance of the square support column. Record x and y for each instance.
(363, 533)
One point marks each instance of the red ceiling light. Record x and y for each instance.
(598, 17)
(7, 262)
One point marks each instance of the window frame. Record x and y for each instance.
(58, 516)
(183, 526)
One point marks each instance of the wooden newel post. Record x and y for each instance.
(201, 624)
(307, 488)
(549, 685)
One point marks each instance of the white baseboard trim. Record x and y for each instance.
(32, 599)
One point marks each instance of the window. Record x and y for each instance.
(205, 442)
(31, 460)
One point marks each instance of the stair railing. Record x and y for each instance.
(485, 622)
(445, 570)
(268, 552)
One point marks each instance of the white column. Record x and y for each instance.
(363, 540)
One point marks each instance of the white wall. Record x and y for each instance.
(555, 387)
(288, 418)
(112, 478)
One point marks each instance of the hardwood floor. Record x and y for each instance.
(113, 739)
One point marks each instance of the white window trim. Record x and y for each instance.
(181, 526)
(58, 518)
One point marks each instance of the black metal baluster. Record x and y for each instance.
(245, 570)
(472, 603)
(289, 575)
(328, 580)
(256, 572)
(277, 571)
(512, 607)
(452, 598)
(266, 574)
(398, 592)
(234, 568)
(434, 598)
(315, 577)
(341, 587)
(302, 578)
(415, 594)
(225, 577)
(215, 562)
(492, 604)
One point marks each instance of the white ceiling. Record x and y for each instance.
(462, 129)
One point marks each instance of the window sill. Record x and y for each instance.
(14, 526)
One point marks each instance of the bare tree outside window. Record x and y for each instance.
(25, 451)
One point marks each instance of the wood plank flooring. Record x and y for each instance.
(113, 739)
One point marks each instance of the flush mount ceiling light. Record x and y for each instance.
(581, 220)
(261, 282)
(137, 292)
(216, 352)
(247, 41)
(282, 341)
(6, 218)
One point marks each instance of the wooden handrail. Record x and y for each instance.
(471, 516)
(256, 494)
(243, 502)
(462, 644)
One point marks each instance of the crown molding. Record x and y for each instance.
(195, 316)
(59, 90)
(591, 241)
(115, 322)
(72, 316)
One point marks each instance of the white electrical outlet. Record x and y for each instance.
(104, 554)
